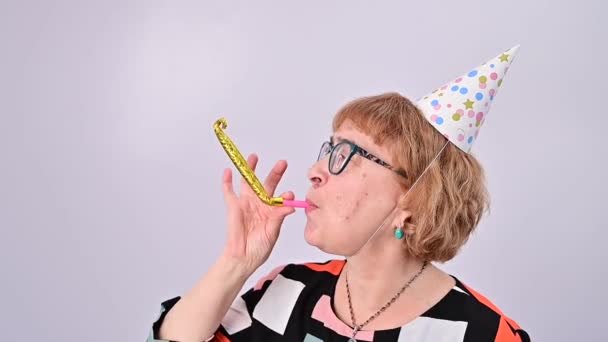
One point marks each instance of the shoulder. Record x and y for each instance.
(290, 286)
(300, 275)
(484, 317)
(306, 273)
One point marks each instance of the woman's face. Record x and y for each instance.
(352, 204)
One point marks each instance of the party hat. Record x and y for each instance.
(459, 108)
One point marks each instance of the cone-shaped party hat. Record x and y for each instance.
(459, 108)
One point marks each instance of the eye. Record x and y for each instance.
(342, 152)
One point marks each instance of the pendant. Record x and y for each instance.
(355, 331)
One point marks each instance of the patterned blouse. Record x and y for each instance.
(295, 303)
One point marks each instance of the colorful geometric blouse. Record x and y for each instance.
(295, 303)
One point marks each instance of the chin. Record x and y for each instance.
(313, 237)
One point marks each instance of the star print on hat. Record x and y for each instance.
(459, 108)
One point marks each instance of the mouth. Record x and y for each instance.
(310, 209)
(312, 206)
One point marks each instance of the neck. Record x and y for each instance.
(376, 274)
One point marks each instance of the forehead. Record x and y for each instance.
(348, 131)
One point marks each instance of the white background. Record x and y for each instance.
(110, 196)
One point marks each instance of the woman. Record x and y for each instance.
(387, 288)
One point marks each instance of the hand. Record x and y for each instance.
(253, 226)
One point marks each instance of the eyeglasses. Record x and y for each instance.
(341, 154)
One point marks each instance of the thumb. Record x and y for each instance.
(288, 195)
(284, 211)
(280, 213)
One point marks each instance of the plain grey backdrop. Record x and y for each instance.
(110, 174)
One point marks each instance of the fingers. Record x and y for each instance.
(234, 222)
(229, 195)
(288, 195)
(283, 211)
(272, 180)
(252, 161)
(279, 214)
(274, 177)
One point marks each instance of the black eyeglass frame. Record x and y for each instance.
(354, 149)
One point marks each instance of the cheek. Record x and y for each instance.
(348, 206)
(343, 207)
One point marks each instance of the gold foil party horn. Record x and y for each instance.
(241, 164)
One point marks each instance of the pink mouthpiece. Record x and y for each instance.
(296, 204)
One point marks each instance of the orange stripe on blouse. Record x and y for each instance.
(506, 326)
(334, 267)
(219, 337)
(504, 333)
(513, 324)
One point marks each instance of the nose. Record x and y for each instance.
(317, 174)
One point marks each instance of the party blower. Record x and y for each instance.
(247, 172)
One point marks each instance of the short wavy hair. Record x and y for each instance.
(450, 199)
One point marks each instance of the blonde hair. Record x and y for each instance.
(451, 197)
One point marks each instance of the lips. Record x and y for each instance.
(312, 204)
(310, 209)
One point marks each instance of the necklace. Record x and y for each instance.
(356, 327)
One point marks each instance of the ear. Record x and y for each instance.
(401, 218)
(409, 229)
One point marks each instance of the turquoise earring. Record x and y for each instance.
(399, 234)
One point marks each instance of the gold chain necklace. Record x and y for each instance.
(357, 328)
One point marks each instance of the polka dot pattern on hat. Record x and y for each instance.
(458, 109)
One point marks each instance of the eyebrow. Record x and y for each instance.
(339, 139)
